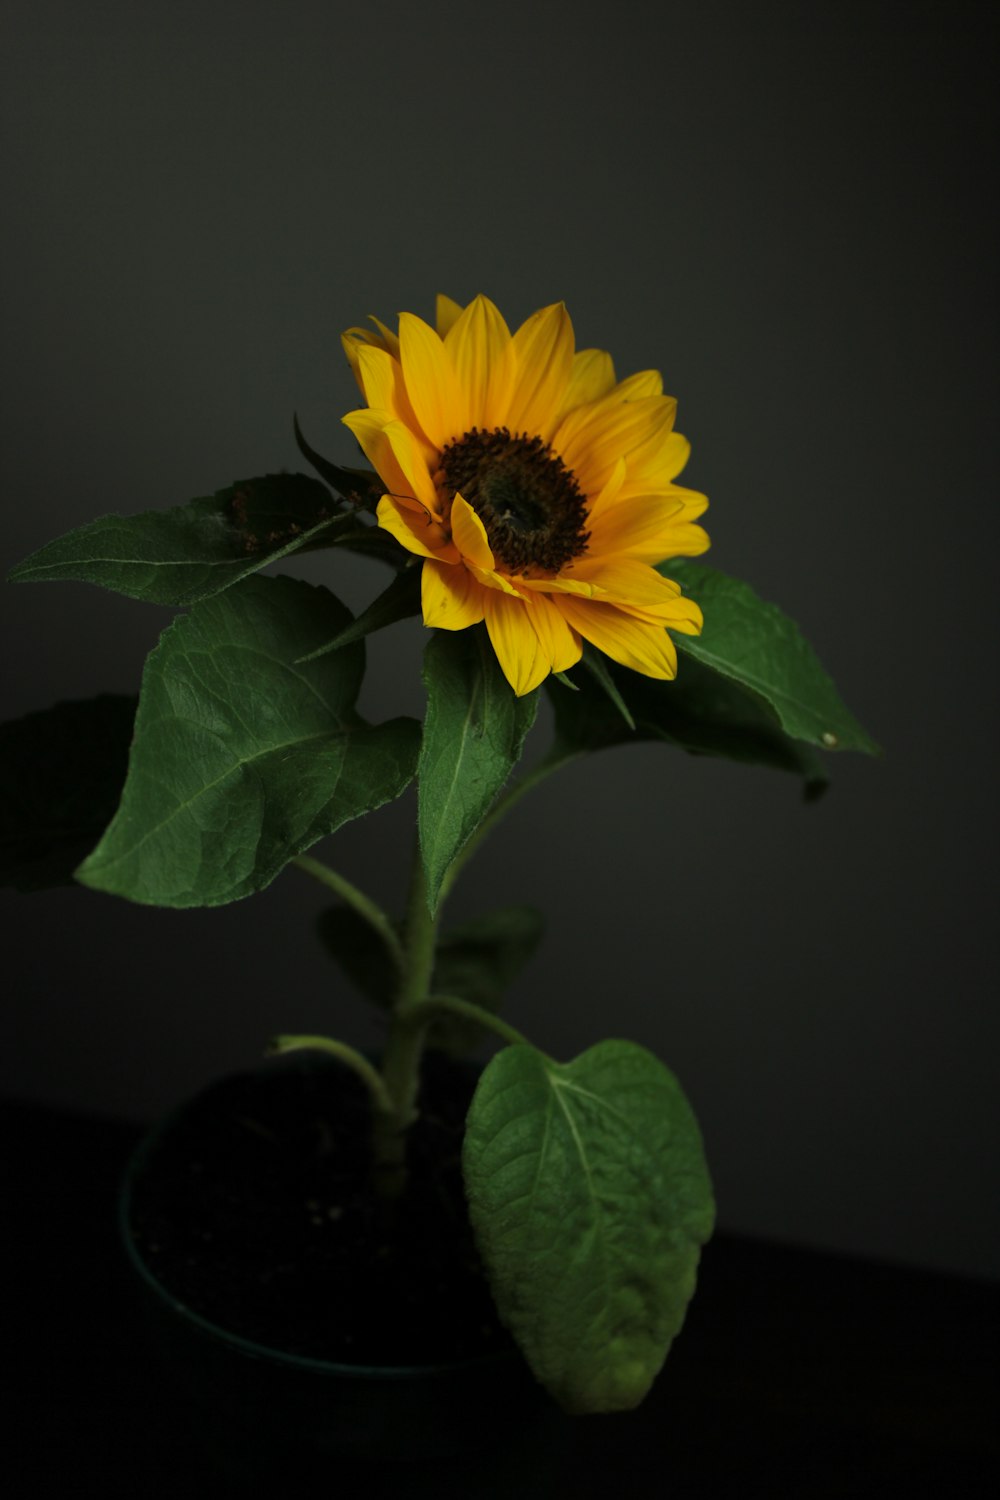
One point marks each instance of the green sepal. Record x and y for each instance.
(756, 645)
(590, 1198)
(61, 772)
(192, 552)
(242, 758)
(474, 731)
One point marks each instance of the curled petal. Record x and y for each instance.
(451, 598)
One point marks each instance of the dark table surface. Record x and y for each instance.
(797, 1373)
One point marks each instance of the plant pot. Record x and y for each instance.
(391, 1348)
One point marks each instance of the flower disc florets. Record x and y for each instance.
(530, 504)
(538, 489)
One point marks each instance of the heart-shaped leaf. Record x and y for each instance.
(243, 758)
(590, 1198)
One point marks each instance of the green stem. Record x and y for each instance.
(405, 1043)
(369, 1075)
(362, 904)
(500, 810)
(426, 1011)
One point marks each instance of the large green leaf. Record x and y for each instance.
(756, 645)
(189, 553)
(242, 758)
(473, 733)
(701, 712)
(589, 1197)
(61, 775)
(477, 961)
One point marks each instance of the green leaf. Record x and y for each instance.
(589, 1197)
(701, 712)
(473, 734)
(357, 486)
(400, 600)
(194, 551)
(477, 962)
(360, 952)
(243, 759)
(61, 775)
(756, 645)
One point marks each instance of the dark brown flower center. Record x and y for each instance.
(527, 499)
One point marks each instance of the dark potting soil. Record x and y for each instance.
(255, 1211)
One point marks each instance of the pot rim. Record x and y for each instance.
(136, 1161)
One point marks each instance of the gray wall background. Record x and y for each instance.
(784, 208)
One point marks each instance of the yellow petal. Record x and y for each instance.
(385, 389)
(481, 352)
(646, 648)
(430, 381)
(356, 339)
(681, 614)
(543, 350)
(389, 339)
(470, 535)
(687, 541)
(609, 491)
(411, 456)
(418, 532)
(624, 580)
(663, 465)
(643, 527)
(644, 383)
(591, 439)
(560, 584)
(446, 312)
(519, 652)
(368, 426)
(451, 597)
(559, 643)
(592, 376)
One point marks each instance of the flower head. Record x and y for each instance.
(537, 489)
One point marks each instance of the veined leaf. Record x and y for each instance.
(590, 1198)
(61, 775)
(701, 712)
(191, 552)
(474, 729)
(242, 758)
(756, 645)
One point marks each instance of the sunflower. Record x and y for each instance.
(537, 489)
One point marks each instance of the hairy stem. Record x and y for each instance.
(362, 904)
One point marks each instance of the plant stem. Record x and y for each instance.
(405, 1042)
(369, 1075)
(362, 904)
(426, 1011)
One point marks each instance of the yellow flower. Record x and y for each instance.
(537, 489)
